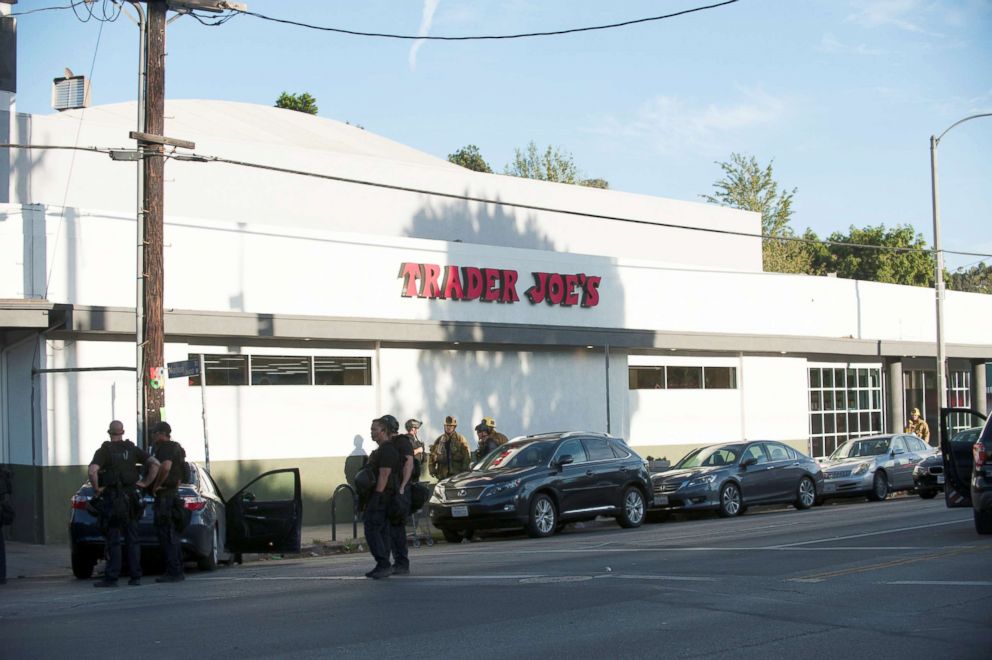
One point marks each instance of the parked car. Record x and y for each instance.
(264, 516)
(968, 471)
(874, 466)
(731, 476)
(542, 482)
(928, 477)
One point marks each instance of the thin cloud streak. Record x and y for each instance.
(426, 19)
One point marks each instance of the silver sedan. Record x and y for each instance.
(873, 466)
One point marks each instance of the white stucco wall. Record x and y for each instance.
(272, 270)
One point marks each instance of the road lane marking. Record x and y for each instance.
(875, 533)
(820, 577)
(943, 583)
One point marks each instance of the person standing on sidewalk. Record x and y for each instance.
(113, 473)
(173, 459)
(413, 430)
(450, 454)
(384, 464)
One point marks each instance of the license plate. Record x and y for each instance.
(940, 478)
(660, 500)
(459, 511)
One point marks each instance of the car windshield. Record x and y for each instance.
(517, 455)
(857, 448)
(711, 456)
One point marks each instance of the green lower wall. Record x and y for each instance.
(41, 495)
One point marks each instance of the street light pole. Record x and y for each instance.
(939, 267)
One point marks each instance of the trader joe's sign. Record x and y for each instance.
(497, 285)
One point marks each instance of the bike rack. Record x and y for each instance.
(354, 515)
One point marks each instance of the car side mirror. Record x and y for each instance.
(248, 497)
(898, 451)
(565, 460)
(750, 460)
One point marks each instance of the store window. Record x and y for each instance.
(682, 378)
(844, 402)
(284, 370)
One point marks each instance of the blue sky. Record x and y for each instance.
(842, 94)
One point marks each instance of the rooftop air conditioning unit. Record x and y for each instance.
(70, 92)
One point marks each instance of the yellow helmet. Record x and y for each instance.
(489, 421)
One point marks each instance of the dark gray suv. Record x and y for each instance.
(542, 482)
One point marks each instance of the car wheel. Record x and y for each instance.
(209, 562)
(452, 535)
(879, 487)
(632, 509)
(805, 494)
(927, 494)
(730, 500)
(543, 517)
(82, 565)
(983, 522)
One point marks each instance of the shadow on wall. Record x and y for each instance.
(520, 388)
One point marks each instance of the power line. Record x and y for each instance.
(202, 158)
(524, 35)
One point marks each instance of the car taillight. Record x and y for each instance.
(80, 501)
(194, 503)
(978, 450)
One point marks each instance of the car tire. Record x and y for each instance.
(983, 522)
(452, 535)
(730, 500)
(543, 517)
(631, 508)
(805, 494)
(879, 487)
(83, 564)
(209, 562)
(927, 494)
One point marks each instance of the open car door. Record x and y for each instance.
(266, 515)
(957, 437)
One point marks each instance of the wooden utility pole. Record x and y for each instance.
(153, 367)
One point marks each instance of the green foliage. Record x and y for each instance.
(553, 164)
(913, 268)
(299, 102)
(595, 183)
(748, 186)
(977, 279)
(470, 158)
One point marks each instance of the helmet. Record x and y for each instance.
(482, 427)
(413, 424)
(390, 423)
(914, 411)
(162, 427)
(451, 420)
(488, 421)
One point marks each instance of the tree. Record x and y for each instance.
(299, 102)
(470, 158)
(977, 279)
(913, 266)
(748, 186)
(553, 164)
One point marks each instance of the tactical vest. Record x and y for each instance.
(121, 468)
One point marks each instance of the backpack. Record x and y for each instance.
(419, 494)
(122, 469)
(179, 473)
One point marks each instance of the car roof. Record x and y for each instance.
(561, 435)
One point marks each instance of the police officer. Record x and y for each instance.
(173, 458)
(413, 430)
(384, 463)
(450, 454)
(489, 439)
(399, 509)
(114, 477)
(917, 426)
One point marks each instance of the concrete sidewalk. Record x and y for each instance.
(27, 560)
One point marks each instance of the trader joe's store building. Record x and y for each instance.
(408, 285)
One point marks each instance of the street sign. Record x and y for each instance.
(184, 369)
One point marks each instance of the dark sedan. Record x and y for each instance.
(264, 516)
(928, 477)
(731, 476)
(542, 482)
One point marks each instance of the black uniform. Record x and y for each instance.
(6, 517)
(120, 504)
(401, 505)
(167, 507)
(375, 518)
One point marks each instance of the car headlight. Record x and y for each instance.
(705, 480)
(502, 488)
(439, 491)
(918, 470)
(861, 469)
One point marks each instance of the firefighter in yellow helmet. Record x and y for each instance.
(450, 454)
(917, 426)
(489, 437)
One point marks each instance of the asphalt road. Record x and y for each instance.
(903, 579)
